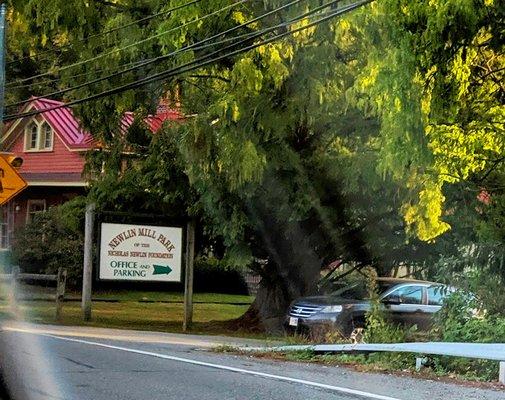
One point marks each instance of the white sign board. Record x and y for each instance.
(140, 253)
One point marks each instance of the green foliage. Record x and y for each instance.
(461, 321)
(432, 74)
(478, 270)
(377, 328)
(331, 144)
(52, 240)
(214, 275)
(148, 179)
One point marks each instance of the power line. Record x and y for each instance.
(48, 81)
(187, 66)
(180, 70)
(195, 46)
(144, 62)
(112, 30)
(97, 57)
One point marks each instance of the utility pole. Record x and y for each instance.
(87, 274)
(3, 12)
(188, 279)
(4, 256)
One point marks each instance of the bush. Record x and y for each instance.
(462, 319)
(378, 329)
(52, 240)
(212, 275)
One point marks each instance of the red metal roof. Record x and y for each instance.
(65, 123)
(153, 122)
(68, 127)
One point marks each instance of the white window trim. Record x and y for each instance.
(43, 136)
(40, 137)
(28, 135)
(34, 201)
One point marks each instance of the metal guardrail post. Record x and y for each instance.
(501, 373)
(61, 281)
(420, 363)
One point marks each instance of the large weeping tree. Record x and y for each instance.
(266, 144)
(279, 151)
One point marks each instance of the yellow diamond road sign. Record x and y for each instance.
(11, 183)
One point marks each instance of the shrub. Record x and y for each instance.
(212, 275)
(52, 240)
(378, 329)
(462, 319)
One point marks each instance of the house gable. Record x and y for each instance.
(61, 120)
(62, 162)
(59, 159)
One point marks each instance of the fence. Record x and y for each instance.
(16, 276)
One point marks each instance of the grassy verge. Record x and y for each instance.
(398, 363)
(208, 318)
(144, 311)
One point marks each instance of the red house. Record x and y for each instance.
(53, 148)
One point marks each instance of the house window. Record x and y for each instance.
(33, 136)
(48, 136)
(38, 136)
(33, 208)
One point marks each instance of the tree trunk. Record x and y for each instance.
(279, 286)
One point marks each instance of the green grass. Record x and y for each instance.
(142, 310)
(125, 295)
(167, 317)
(133, 295)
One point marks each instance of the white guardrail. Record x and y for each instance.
(484, 351)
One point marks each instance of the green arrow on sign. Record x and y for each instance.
(161, 269)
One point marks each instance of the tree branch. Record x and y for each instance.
(488, 172)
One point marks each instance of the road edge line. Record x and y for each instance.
(228, 368)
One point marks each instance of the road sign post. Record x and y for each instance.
(140, 253)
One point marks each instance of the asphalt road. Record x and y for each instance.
(45, 366)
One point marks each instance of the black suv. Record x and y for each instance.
(405, 301)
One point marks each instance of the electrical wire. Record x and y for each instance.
(195, 46)
(112, 30)
(143, 62)
(49, 81)
(187, 66)
(181, 69)
(101, 55)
